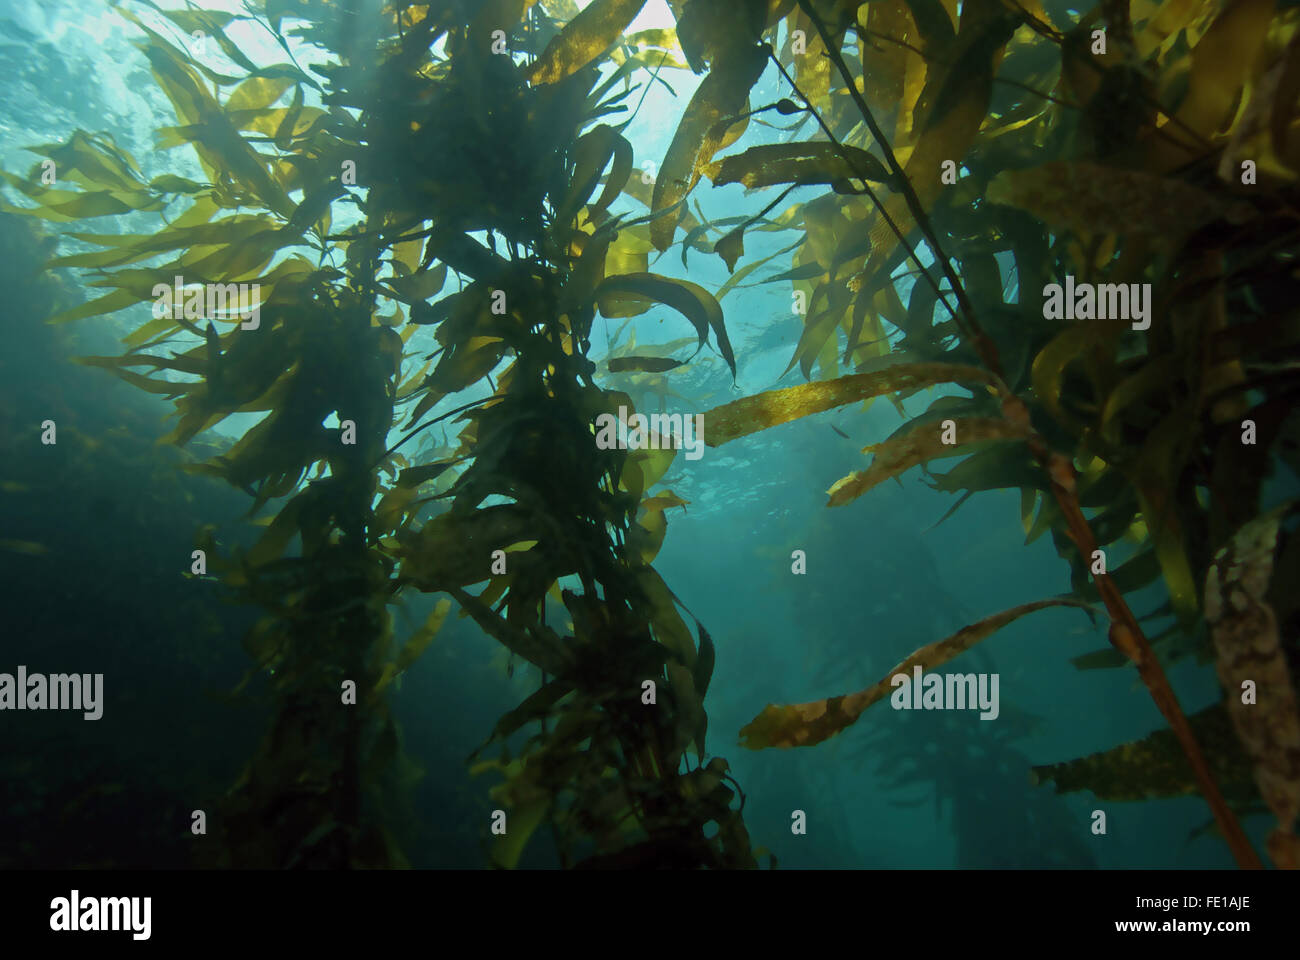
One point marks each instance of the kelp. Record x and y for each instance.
(897, 455)
(415, 103)
(584, 38)
(991, 152)
(1244, 627)
(1155, 766)
(1018, 152)
(748, 415)
(807, 724)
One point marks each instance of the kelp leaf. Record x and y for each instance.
(689, 299)
(562, 10)
(664, 501)
(731, 247)
(1088, 198)
(257, 93)
(999, 467)
(419, 642)
(1048, 369)
(456, 548)
(418, 287)
(1132, 574)
(646, 364)
(524, 821)
(283, 137)
(414, 476)
(591, 154)
(806, 724)
(896, 456)
(93, 160)
(619, 175)
(1156, 766)
(537, 706)
(1221, 62)
(704, 662)
(169, 183)
(1165, 449)
(583, 39)
(60, 206)
(275, 540)
(670, 630)
(960, 95)
(646, 536)
(721, 94)
(763, 410)
(110, 303)
(807, 163)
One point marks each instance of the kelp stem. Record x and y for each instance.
(1127, 636)
(1125, 630)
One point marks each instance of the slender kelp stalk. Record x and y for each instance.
(1125, 632)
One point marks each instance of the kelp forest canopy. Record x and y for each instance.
(1060, 243)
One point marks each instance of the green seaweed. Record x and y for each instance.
(426, 103)
(993, 136)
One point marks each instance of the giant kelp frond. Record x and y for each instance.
(414, 103)
(807, 724)
(1006, 157)
(997, 156)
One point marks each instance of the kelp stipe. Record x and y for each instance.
(621, 695)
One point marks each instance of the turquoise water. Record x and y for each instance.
(939, 789)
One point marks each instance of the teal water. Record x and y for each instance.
(937, 790)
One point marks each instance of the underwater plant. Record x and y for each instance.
(408, 133)
(1081, 229)
(1136, 166)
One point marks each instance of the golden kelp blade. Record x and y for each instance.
(689, 299)
(583, 39)
(646, 536)
(560, 9)
(416, 645)
(887, 62)
(663, 501)
(1155, 766)
(1088, 198)
(752, 414)
(802, 163)
(960, 96)
(1248, 648)
(917, 446)
(526, 801)
(720, 95)
(1221, 62)
(806, 724)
